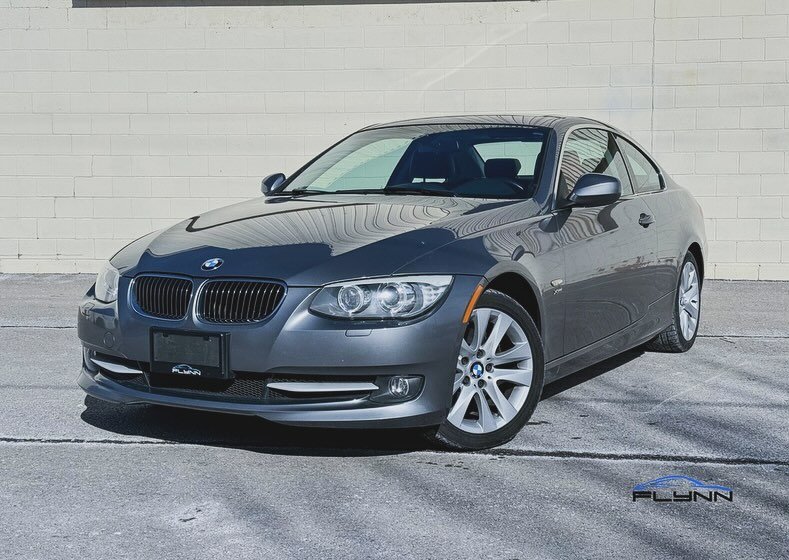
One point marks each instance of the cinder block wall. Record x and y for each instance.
(118, 120)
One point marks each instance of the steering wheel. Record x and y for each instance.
(514, 185)
(495, 186)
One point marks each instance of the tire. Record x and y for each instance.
(675, 337)
(491, 376)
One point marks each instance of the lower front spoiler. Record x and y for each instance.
(419, 412)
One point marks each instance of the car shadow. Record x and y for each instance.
(193, 427)
(587, 374)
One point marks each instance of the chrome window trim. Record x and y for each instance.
(132, 299)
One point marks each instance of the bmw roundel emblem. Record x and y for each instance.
(212, 264)
(477, 370)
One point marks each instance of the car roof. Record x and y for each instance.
(558, 122)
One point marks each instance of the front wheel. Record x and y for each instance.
(498, 377)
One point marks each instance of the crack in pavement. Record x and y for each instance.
(767, 336)
(656, 457)
(348, 451)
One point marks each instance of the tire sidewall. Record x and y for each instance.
(452, 436)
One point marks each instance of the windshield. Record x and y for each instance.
(445, 160)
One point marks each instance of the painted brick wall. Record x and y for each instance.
(116, 121)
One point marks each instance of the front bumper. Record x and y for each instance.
(293, 343)
(422, 411)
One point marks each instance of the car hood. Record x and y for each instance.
(313, 240)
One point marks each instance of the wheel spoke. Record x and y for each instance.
(480, 318)
(486, 419)
(520, 376)
(691, 276)
(500, 328)
(691, 321)
(460, 407)
(521, 351)
(692, 293)
(686, 278)
(692, 308)
(506, 410)
(458, 381)
(683, 323)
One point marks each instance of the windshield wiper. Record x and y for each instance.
(303, 191)
(394, 189)
(410, 189)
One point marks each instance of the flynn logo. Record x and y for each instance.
(212, 264)
(678, 488)
(184, 369)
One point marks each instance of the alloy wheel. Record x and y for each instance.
(688, 300)
(493, 374)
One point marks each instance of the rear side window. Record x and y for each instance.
(646, 177)
(591, 150)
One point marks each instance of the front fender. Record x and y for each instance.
(528, 249)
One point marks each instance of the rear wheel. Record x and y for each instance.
(681, 334)
(498, 377)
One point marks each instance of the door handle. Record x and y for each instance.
(646, 219)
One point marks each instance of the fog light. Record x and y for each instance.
(398, 386)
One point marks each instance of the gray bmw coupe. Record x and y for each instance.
(432, 273)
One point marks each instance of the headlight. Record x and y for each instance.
(107, 284)
(398, 297)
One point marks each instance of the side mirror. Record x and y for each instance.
(595, 189)
(271, 182)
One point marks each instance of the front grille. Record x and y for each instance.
(238, 301)
(242, 386)
(163, 296)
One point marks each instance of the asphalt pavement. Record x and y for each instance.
(80, 478)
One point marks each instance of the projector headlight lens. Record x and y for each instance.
(352, 299)
(387, 298)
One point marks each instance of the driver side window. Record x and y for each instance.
(591, 150)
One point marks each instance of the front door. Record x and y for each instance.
(609, 251)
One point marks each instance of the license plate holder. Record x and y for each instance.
(189, 354)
